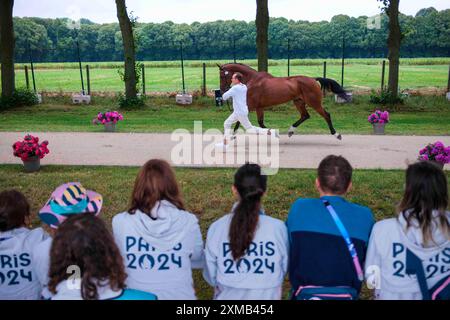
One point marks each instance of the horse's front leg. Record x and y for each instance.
(236, 127)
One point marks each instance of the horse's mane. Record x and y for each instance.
(240, 64)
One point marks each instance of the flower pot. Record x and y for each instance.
(378, 128)
(33, 164)
(110, 127)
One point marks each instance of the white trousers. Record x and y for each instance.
(245, 122)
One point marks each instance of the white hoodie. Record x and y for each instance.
(386, 258)
(159, 254)
(256, 276)
(18, 279)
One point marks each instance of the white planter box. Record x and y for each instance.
(338, 99)
(448, 96)
(183, 98)
(81, 98)
(39, 97)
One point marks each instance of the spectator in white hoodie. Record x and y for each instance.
(421, 227)
(159, 240)
(18, 278)
(247, 251)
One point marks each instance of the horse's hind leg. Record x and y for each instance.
(304, 115)
(260, 116)
(327, 118)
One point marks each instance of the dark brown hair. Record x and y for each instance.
(251, 185)
(426, 190)
(239, 76)
(84, 241)
(14, 208)
(155, 181)
(335, 174)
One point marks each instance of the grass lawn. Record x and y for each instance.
(168, 79)
(380, 190)
(420, 115)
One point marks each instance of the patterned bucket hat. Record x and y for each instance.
(69, 199)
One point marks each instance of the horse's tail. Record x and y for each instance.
(334, 87)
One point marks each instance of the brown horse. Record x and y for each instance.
(265, 90)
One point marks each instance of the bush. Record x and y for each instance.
(132, 102)
(385, 97)
(21, 97)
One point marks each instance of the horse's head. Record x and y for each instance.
(225, 78)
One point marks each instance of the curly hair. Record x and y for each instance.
(84, 241)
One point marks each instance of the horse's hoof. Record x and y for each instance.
(290, 134)
(339, 137)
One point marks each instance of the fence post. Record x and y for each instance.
(383, 69)
(182, 67)
(32, 76)
(343, 60)
(448, 82)
(143, 79)
(88, 80)
(234, 50)
(324, 75)
(204, 80)
(27, 78)
(289, 58)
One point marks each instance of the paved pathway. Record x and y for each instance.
(299, 151)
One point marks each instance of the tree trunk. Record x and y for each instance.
(7, 47)
(128, 49)
(393, 43)
(262, 34)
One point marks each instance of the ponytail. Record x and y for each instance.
(251, 186)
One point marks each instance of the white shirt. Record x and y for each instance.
(256, 276)
(239, 94)
(18, 279)
(159, 254)
(41, 265)
(386, 259)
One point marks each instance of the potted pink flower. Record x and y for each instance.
(435, 152)
(378, 119)
(108, 119)
(30, 151)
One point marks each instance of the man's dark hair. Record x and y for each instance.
(239, 76)
(335, 174)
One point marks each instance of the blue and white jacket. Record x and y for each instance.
(318, 253)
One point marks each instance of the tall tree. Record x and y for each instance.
(7, 46)
(393, 43)
(126, 28)
(262, 33)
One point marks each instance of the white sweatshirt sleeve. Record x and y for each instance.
(210, 270)
(284, 248)
(197, 258)
(373, 261)
(229, 94)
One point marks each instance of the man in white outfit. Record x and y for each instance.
(240, 111)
